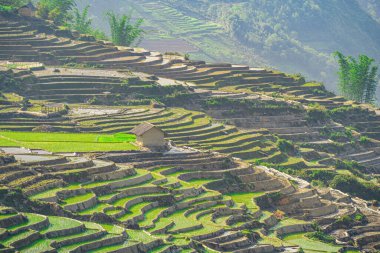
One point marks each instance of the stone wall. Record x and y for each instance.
(76, 207)
(294, 229)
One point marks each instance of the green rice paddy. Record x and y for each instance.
(69, 142)
(310, 245)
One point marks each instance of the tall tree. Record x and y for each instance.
(123, 31)
(58, 11)
(358, 78)
(81, 22)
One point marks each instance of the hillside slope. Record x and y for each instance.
(215, 191)
(294, 36)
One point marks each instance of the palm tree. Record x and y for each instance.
(123, 31)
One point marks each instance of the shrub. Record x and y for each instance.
(345, 220)
(319, 235)
(363, 139)
(9, 83)
(5, 8)
(56, 10)
(317, 183)
(352, 166)
(318, 92)
(324, 176)
(359, 217)
(299, 77)
(317, 113)
(343, 111)
(286, 146)
(25, 104)
(10, 5)
(353, 186)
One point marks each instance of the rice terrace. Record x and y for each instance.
(106, 146)
(68, 142)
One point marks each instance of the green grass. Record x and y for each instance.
(288, 222)
(32, 219)
(38, 246)
(69, 142)
(4, 216)
(113, 229)
(112, 248)
(246, 198)
(200, 182)
(105, 182)
(95, 209)
(150, 215)
(79, 198)
(309, 245)
(140, 236)
(53, 192)
(134, 211)
(59, 223)
(16, 237)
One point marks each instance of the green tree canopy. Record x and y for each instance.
(358, 78)
(81, 22)
(58, 11)
(13, 3)
(123, 31)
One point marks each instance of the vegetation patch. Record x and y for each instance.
(69, 142)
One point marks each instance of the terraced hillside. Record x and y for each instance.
(29, 232)
(172, 30)
(164, 199)
(213, 191)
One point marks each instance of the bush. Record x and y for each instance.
(319, 235)
(359, 217)
(343, 111)
(300, 250)
(5, 8)
(324, 176)
(317, 113)
(56, 10)
(353, 186)
(363, 139)
(352, 166)
(286, 146)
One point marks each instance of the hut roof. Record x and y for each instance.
(143, 128)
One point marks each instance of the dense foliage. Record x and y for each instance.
(82, 23)
(357, 78)
(58, 11)
(352, 185)
(13, 3)
(124, 32)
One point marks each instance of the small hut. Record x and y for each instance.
(150, 136)
(28, 10)
(52, 108)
